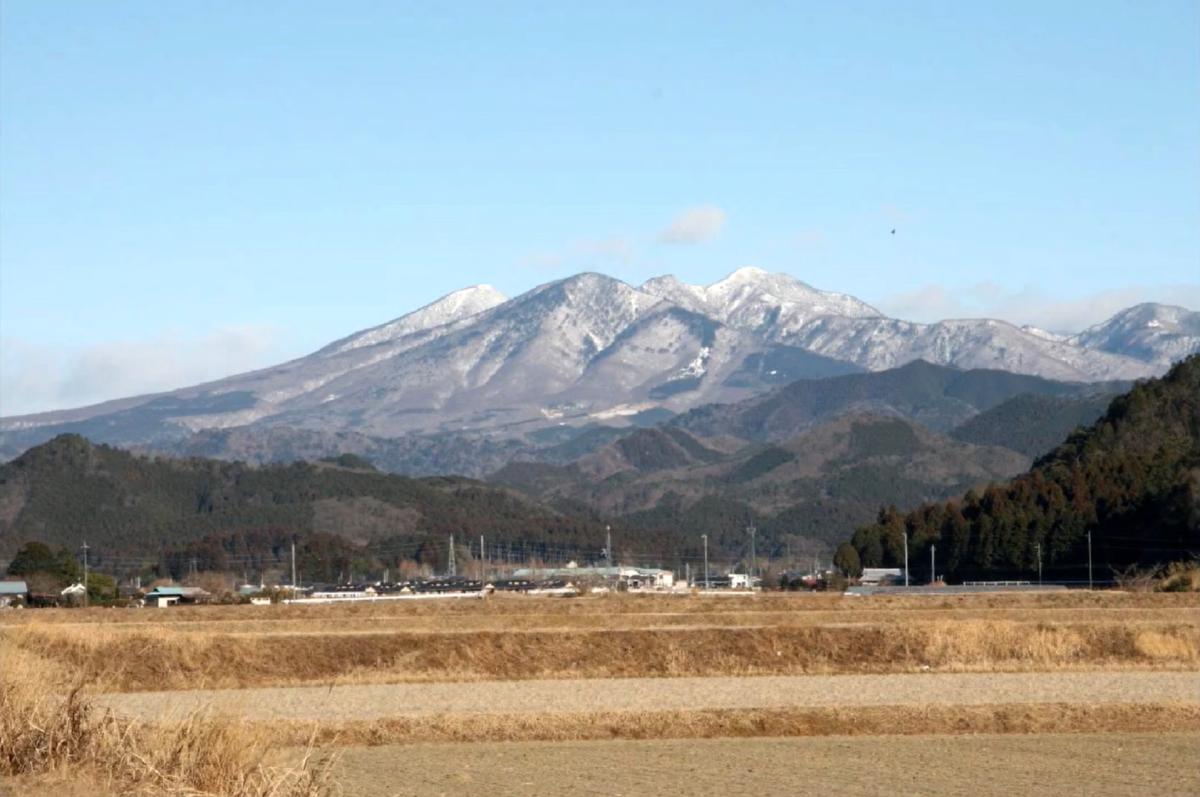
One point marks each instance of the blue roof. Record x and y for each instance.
(13, 588)
(167, 591)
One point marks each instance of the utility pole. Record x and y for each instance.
(482, 565)
(608, 551)
(932, 565)
(906, 558)
(707, 581)
(450, 565)
(753, 559)
(85, 573)
(293, 568)
(1089, 535)
(1039, 563)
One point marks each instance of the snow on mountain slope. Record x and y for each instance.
(880, 343)
(786, 311)
(501, 365)
(1156, 333)
(751, 298)
(451, 307)
(593, 347)
(1044, 334)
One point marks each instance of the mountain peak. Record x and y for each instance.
(1148, 312)
(1158, 333)
(750, 296)
(581, 346)
(746, 274)
(454, 306)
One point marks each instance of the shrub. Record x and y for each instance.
(47, 730)
(846, 560)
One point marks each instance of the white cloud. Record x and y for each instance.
(586, 253)
(694, 226)
(38, 377)
(1030, 305)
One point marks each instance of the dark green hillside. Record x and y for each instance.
(68, 490)
(1132, 480)
(760, 464)
(1032, 424)
(935, 396)
(658, 449)
(811, 488)
(410, 455)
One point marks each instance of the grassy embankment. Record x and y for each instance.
(512, 639)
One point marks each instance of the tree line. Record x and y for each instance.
(1131, 481)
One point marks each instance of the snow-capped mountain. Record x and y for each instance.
(757, 300)
(1156, 333)
(591, 348)
(451, 307)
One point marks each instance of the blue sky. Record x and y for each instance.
(192, 189)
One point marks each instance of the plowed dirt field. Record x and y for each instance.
(1099, 765)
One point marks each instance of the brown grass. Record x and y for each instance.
(136, 659)
(51, 729)
(270, 621)
(48, 734)
(522, 610)
(713, 723)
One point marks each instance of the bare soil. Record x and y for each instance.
(1101, 765)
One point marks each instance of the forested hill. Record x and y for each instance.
(935, 396)
(1132, 479)
(68, 490)
(1033, 424)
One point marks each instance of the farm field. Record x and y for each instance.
(735, 693)
(564, 696)
(515, 638)
(1111, 765)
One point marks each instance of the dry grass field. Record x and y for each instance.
(512, 673)
(512, 638)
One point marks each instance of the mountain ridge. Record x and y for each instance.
(587, 348)
(936, 396)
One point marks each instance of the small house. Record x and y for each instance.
(13, 593)
(739, 581)
(162, 597)
(647, 578)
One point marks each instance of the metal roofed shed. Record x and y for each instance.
(13, 593)
(881, 576)
(162, 597)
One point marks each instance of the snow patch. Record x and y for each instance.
(696, 368)
(623, 410)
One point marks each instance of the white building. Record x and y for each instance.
(637, 579)
(878, 576)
